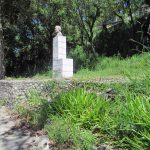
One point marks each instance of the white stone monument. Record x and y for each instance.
(62, 66)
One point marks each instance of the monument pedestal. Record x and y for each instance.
(62, 66)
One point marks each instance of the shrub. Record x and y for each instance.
(84, 108)
(82, 59)
(79, 56)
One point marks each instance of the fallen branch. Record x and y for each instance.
(146, 47)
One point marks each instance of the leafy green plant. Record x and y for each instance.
(84, 108)
(79, 118)
(68, 135)
(79, 56)
(121, 119)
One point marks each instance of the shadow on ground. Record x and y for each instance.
(14, 138)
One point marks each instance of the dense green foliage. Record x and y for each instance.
(137, 66)
(80, 115)
(28, 27)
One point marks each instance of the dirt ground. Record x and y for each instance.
(13, 137)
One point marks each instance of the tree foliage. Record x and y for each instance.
(28, 27)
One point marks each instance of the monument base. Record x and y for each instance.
(63, 68)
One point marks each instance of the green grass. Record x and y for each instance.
(114, 67)
(82, 114)
(66, 134)
(136, 66)
(78, 119)
(45, 75)
(123, 122)
(35, 109)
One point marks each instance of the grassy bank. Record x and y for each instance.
(85, 116)
(136, 66)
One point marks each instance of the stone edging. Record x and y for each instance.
(12, 89)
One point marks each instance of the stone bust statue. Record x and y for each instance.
(57, 31)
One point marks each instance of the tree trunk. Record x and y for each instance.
(2, 68)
